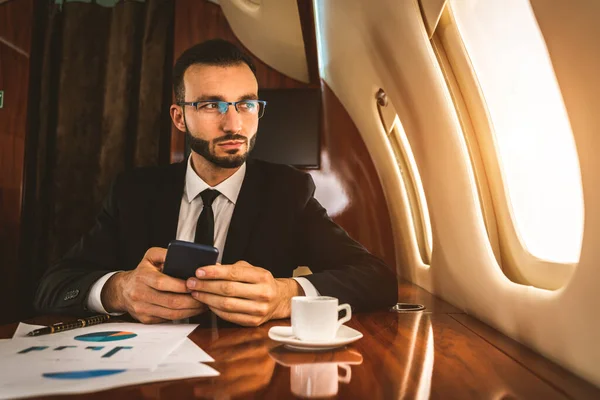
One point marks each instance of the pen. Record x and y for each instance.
(61, 326)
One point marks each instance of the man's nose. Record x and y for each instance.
(232, 120)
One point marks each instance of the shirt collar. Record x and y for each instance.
(230, 187)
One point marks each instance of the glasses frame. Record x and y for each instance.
(195, 104)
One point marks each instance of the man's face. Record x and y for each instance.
(225, 140)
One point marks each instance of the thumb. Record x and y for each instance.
(156, 256)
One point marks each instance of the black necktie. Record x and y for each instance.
(205, 228)
(205, 234)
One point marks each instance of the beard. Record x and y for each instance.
(206, 149)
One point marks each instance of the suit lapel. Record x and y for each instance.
(247, 209)
(165, 213)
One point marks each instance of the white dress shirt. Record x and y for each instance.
(191, 207)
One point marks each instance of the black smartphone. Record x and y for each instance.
(183, 258)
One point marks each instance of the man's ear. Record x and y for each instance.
(177, 117)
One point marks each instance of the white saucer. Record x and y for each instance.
(284, 334)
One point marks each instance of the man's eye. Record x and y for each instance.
(209, 106)
(248, 105)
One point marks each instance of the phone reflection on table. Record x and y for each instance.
(317, 374)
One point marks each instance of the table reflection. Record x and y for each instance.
(408, 356)
(242, 359)
(317, 374)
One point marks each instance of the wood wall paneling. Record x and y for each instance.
(15, 36)
(309, 36)
(15, 25)
(200, 20)
(366, 218)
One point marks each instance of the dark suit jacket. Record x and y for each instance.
(277, 224)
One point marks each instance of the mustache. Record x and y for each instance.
(230, 137)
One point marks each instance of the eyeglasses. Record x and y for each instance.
(218, 108)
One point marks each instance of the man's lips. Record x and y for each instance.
(232, 144)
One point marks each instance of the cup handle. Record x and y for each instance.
(347, 376)
(346, 317)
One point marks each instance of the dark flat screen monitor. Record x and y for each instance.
(288, 133)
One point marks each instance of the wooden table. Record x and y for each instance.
(438, 353)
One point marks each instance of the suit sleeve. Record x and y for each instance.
(64, 287)
(342, 267)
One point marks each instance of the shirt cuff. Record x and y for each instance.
(94, 299)
(309, 288)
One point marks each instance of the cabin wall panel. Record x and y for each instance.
(15, 25)
(15, 37)
(366, 217)
(396, 54)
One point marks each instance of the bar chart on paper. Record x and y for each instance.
(98, 357)
(112, 346)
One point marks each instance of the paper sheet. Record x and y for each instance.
(23, 329)
(110, 345)
(59, 376)
(35, 384)
(187, 351)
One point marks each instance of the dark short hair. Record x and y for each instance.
(215, 52)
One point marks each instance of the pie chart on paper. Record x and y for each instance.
(110, 336)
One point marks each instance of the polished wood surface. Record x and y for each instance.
(15, 38)
(401, 356)
(413, 294)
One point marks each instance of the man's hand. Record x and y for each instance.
(147, 294)
(243, 294)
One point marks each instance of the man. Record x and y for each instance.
(262, 217)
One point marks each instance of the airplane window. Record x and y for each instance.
(532, 134)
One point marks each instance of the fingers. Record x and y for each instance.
(156, 256)
(152, 297)
(232, 304)
(161, 282)
(151, 313)
(147, 319)
(232, 289)
(240, 319)
(241, 271)
(140, 295)
(173, 301)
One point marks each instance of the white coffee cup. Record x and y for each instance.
(318, 380)
(315, 318)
